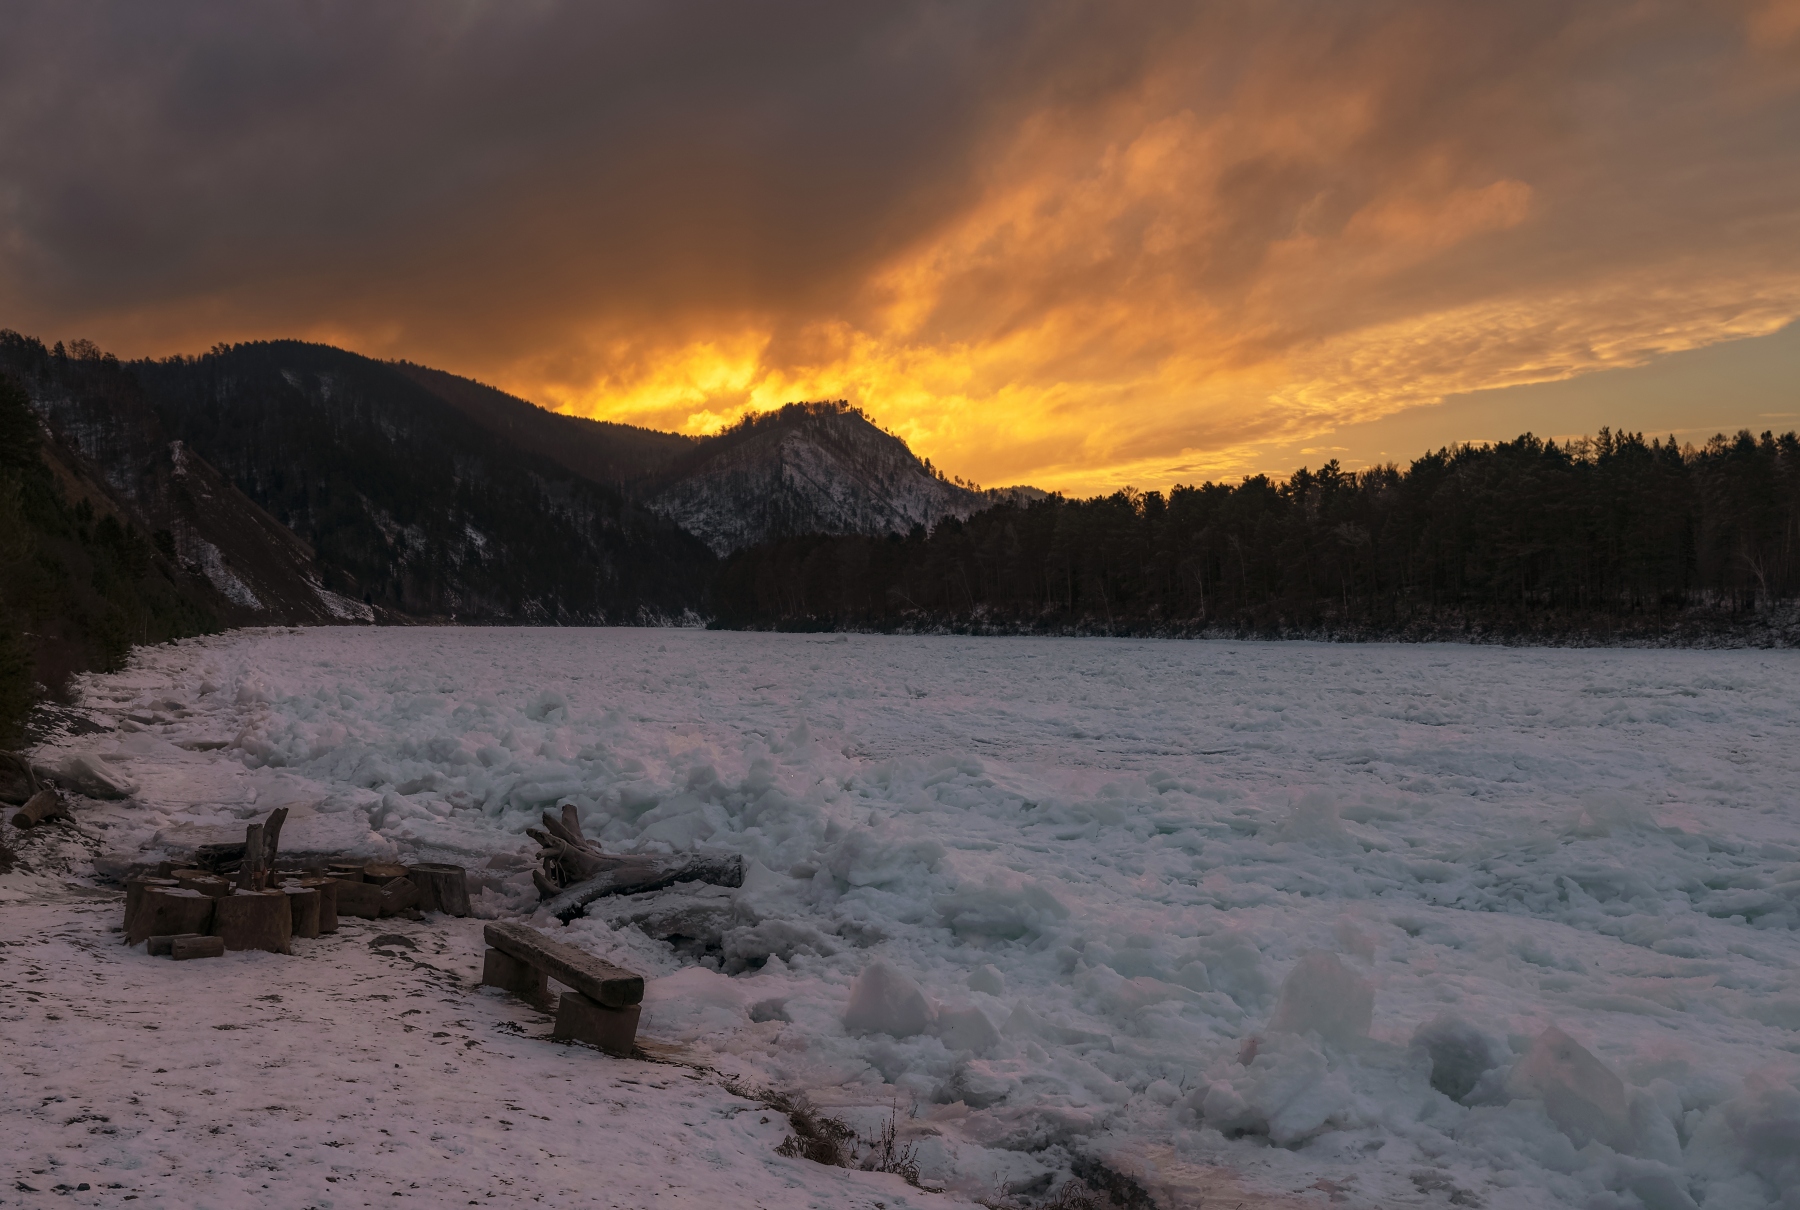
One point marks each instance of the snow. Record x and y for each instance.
(1375, 924)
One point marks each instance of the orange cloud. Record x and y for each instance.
(1075, 245)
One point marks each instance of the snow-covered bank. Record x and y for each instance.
(1178, 904)
(361, 1069)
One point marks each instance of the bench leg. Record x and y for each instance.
(579, 1019)
(520, 978)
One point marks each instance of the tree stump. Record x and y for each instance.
(383, 872)
(346, 871)
(327, 889)
(579, 1019)
(254, 920)
(41, 807)
(522, 979)
(442, 888)
(303, 904)
(183, 948)
(134, 903)
(169, 911)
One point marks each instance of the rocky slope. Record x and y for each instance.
(109, 449)
(807, 468)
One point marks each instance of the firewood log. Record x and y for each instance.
(328, 914)
(134, 903)
(442, 888)
(250, 871)
(183, 948)
(360, 899)
(254, 920)
(41, 807)
(272, 836)
(166, 911)
(303, 903)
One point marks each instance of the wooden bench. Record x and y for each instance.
(603, 1008)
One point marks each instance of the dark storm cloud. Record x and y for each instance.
(1064, 240)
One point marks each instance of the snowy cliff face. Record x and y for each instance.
(806, 469)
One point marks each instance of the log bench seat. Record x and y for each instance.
(603, 1008)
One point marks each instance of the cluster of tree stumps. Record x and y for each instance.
(246, 900)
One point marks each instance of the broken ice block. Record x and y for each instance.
(1323, 995)
(1580, 1093)
(884, 1001)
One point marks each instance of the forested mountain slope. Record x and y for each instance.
(412, 505)
(612, 454)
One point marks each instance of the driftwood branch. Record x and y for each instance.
(633, 875)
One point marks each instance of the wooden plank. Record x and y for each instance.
(595, 978)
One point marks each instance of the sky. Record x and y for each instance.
(1073, 244)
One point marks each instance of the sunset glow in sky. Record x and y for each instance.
(1076, 245)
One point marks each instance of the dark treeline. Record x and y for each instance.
(1524, 538)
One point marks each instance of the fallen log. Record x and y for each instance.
(442, 888)
(597, 979)
(183, 948)
(160, 946)
(633, 875)
(41, 807)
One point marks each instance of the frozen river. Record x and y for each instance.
(1322, 915)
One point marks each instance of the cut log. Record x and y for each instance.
(383, 871)
(206, 884)
(327, 889)
(250, 870)
(166, 911)
(134, 904)
(579, 1019)
(18, 781)
(272, 836)
(218, 857)
(595, 978)
(346, 871)
(303, 904)
(157, 946)
(197, 947)
(41, 807)
(442, 888)
(522, 979)
(398, 895)
(633, 875)
(254, 920)
(360, 899)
